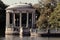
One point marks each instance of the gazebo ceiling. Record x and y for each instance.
(19, 6)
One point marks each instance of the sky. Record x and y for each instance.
(10, 2)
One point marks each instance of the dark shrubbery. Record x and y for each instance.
(2, 17)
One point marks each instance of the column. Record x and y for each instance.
(32, 20)
(7, 20)
(13, 19)
(20, 19)
(27, 19)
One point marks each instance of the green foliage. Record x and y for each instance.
(2, 5)
(45, 13)
(2, 13)
(54, 19)
(2, 17)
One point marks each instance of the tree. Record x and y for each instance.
(54, 19)
(2, 17)
(45, 12)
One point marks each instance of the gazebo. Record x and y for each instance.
(19, 16)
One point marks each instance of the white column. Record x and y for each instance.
(13, 19)
(27, 19)
(20, 19)
(32, 19)
(7, 20)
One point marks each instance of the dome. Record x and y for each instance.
(16, 6)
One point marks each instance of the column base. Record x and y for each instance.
(9, 30)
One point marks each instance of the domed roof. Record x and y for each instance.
(16, 6)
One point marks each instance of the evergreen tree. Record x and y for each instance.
(2, 17)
